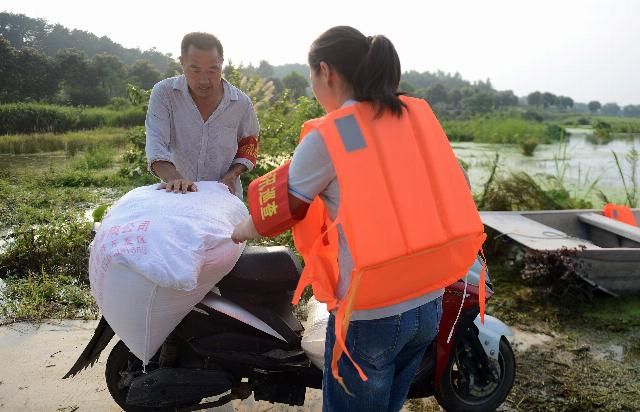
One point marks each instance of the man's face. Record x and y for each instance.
(203, 70)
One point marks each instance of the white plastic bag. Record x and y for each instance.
(157, 254)
(315, 331)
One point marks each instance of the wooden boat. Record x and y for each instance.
(609, 249)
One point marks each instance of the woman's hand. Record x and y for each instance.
(244, 231)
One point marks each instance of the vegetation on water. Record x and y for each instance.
(501, 128)
(70, 143)
(30, 118)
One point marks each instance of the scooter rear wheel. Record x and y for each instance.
(120, 364)
(458, 391)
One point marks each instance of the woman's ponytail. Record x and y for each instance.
(370, 65)
(378, 76)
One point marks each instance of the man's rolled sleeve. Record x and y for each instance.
(157, 126)
(248, 139)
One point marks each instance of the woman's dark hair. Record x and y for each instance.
(202, 41)
(369, 64)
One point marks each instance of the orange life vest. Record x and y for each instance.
(620, 213)
(406, 210)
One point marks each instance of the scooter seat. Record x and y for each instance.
(265, 270)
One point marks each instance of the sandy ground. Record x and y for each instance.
(33, 359)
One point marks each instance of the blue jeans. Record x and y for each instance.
(389, 351)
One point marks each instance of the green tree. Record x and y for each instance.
(264, 70)
(75, 68)
(479, 103)
(35, 75)
(455, 96)
(173, 69)
(594, 106)
(506, 98)
(295, 82)
(7, 71)
(631, 111)
(144, 74)
(22, 31)
(564, 102)
(436, 93)
(549, 99)
(407, 87)
(611, 109)
(80, 78)
(110, 72)
(534, 99)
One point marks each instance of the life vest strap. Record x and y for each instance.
(482, 286)
(343, 319)
(313, 266)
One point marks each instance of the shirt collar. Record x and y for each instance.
(348, 102)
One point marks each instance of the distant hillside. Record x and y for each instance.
(280, 72)
(23, 31)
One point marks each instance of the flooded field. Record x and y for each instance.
(578, 161)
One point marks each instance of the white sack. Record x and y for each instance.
(157, 254)
(315, 332)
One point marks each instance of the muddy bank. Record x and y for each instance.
(556, 372)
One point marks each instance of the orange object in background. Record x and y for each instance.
(620, 213)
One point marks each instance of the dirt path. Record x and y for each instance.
(33, 359)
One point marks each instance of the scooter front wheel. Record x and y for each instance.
(462, 390)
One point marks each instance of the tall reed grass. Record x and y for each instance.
(499, 129)
(27, 118)
(70, 143)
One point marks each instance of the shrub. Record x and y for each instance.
(528, 147)
(554, 132)
(97, 157)
(32, 117)
(119, 103)
(58, 247)
(602, 130)
(533, 116)
(29, 118)
(557, 274)
(519, 191)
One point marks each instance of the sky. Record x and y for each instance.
(587, 50)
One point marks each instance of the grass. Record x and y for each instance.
(44, 228)
(498, 129)
(39, 117)
(71, 143)
(39, 296)
(568, 374)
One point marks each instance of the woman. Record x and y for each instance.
(376, 171)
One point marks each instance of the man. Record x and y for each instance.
(200, 127)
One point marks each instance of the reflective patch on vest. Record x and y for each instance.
(350, 133)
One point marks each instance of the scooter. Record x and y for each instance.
(244, 339)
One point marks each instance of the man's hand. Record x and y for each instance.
(178, 186)
(232, 176)
(229, 179)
